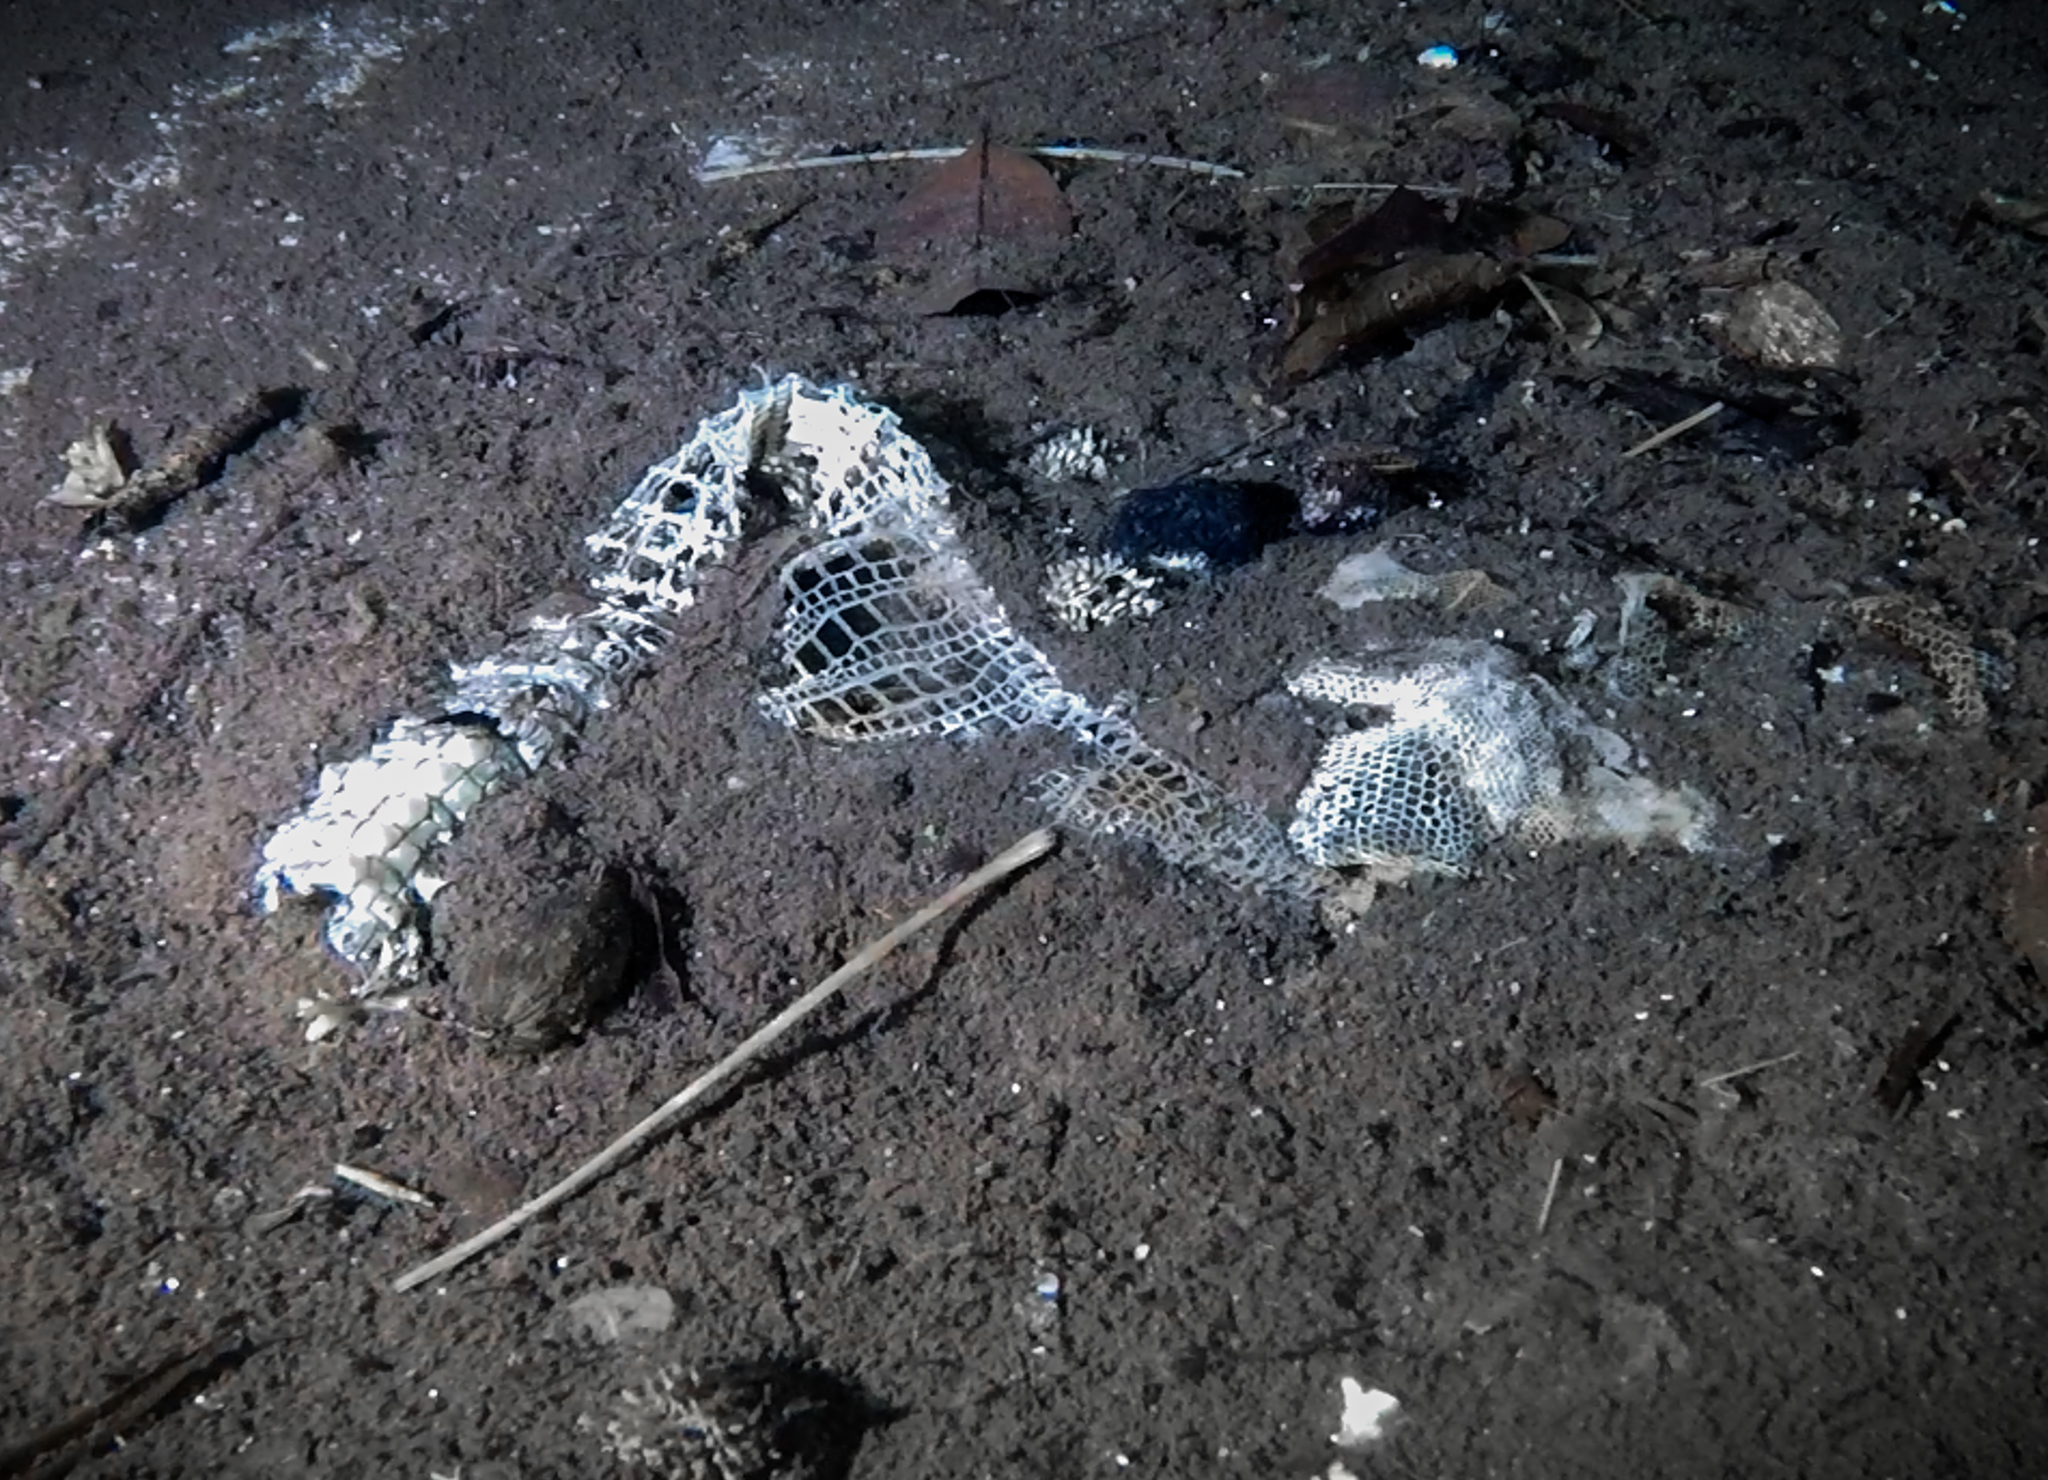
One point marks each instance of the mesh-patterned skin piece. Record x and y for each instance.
(887, 626)
(1388, 798)
(892, 635)
(373, 824)
(1925, 631)
(1656, 611)
(1466, 754)
(1139, 792)
(366, 837)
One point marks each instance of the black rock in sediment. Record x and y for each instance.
(1200, 525)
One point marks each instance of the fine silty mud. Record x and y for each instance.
(1123, 1172)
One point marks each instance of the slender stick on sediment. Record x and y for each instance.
(1032, 846)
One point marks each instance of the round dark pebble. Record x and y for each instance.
(536, 939)
(559, 970)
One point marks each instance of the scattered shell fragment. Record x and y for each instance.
(1375, 575)
(1367, 1413)
(1781, 325)
(615, 1313)
(94, 470)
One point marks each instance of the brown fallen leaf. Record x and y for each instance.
(986, 195)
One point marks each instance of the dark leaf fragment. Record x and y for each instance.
(1621, 138)
(1388, 302)
(1404, 222)
(2019, 212)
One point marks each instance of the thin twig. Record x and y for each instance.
(899, 156)
(1125, 156)
(1717, 1084)
(1677, 429)
(1550, 1195)
(380, 1184)
(1543, 302)
(1360, 187)
(1032, 846)
(1747, 1069)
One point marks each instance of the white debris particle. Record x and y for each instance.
(1367, 1412)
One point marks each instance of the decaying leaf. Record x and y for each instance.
(1402, 223)
(95, 470)
(1407, 260)
(983, 196)
(975, 226)
(1419, 288)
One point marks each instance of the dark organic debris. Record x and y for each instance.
(2026, 897)
(1523, 1098)
(1352, 486)
(1406, 262)
(1785, 422)
(2028, 214)
(1198, 525)
(1922, 1041)
(539, 985)
(1619, 137)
